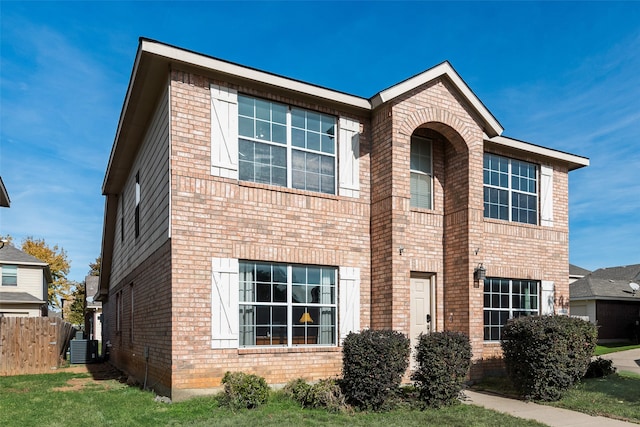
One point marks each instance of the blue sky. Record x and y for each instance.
(561, 75)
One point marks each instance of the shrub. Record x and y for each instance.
(244, 390)
(443, 360)
(599, 368)
(545, 355)
(373, 363)
(325, 394)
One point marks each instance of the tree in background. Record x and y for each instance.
(95, 267)
(75, 313)
(58, 264)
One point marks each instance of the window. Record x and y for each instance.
(505, 299)
(510, 189)
(285, 305)
(119, 312)
(9, 275)
(286, 146)
(421, 172)
(122, 217)
(137, 210)
(131, 311)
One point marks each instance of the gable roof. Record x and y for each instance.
(607, 284)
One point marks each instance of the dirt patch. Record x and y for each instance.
(102, 376)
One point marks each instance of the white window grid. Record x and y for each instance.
(271, 129)
(421, 171)
(503, 302)
(510, 189)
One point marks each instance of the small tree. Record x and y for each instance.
(75, 313)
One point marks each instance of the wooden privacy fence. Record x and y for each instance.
(32, 345)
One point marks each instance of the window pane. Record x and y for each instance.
(298, 118)
(263, 130)
(328, 144)
(298, 138)
(245, 127)
(245, 106)
(279, 134)
(313, 141)
(279, 113)
(263, 109)
(313, 121)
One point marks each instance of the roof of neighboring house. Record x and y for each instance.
(607, 284)
(11, 255)
(4, 196)
(19, 297)
(575, 271)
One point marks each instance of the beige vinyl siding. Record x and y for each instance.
(152, 164)
(30, 280)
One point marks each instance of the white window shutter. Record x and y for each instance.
(224, 132)
(224, 303)
(547, 298)
(349, 303)
(546, 196)
(348, 157)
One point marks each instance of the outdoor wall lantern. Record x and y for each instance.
(480, 273)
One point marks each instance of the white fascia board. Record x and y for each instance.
(444, 69)
(192, 58)
(575, 161)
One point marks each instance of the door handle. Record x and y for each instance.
(428, 318)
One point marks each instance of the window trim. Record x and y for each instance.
(290, 307)
(290, 147)
(510, 190)
(4, 269)
(422, 140)
(137, 205)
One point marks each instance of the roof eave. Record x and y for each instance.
(573, 161)
(491, 126)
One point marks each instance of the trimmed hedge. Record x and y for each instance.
(244, 390)
(326, 394)
(545, 355)
(599, 368)
(443, 360)
(373, 363)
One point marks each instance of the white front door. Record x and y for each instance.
(422, 320)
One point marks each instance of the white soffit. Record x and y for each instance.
(574, 161)
(444, 69)
(192, 58)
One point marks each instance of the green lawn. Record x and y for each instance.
(64, 399)
(616, 396)
(614, 347)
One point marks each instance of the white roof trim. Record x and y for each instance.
(444, 69)
(214, 64)
(576, 161)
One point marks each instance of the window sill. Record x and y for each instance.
(512, 223)
(296, 349)
(424, 210)
(249, 184)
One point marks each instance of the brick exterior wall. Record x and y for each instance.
(213, 217)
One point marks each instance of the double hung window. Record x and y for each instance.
(285, 305)
(505, 299)
(510, 189)
(421, 172)
(9, 275)
(286, 146)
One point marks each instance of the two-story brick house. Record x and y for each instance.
(253, 220)
(24, 283)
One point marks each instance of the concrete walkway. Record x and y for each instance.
(555, 417)
(623, 360)
(628, 360)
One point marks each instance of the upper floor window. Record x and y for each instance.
(9, 275)
(505, 299)
(286, 146)
(421, 173)
(510, 189)
(137, 206)
(287, 305)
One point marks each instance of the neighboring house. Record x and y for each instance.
(252, 221)
(576, 273)
(93, 309)
(25, 283)
(607, 298)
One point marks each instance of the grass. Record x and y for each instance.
(614, 347)
(616, 396)
(64, 399)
